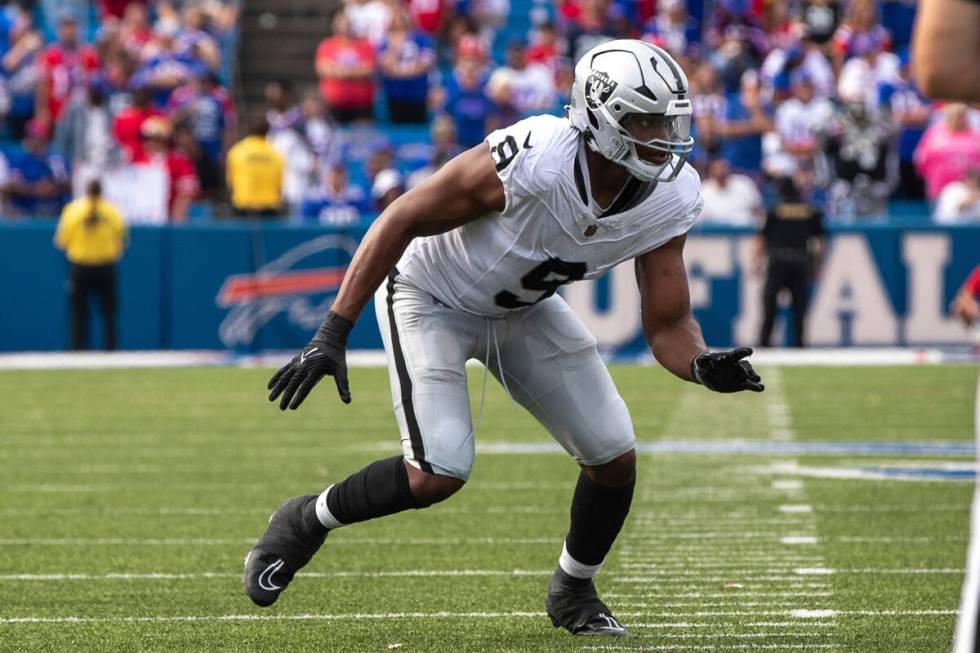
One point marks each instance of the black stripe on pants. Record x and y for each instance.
(405, 382)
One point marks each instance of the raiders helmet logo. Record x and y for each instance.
(598, 88)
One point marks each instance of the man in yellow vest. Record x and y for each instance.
(93, 235)
(255, 172)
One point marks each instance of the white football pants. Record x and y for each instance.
(550, 366)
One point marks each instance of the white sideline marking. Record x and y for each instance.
(795, 508)
(838, 357)
(813, 571)
(799, 539)
(305, 574)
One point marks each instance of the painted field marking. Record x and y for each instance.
(200, 541)
(714, 595)
(798, 539)
(733, 635)
(305, 574)
(712, 647)
(795, 508)
(733, 577)
(813, 571)
(269, 617)
(800, 614)
(737, 624)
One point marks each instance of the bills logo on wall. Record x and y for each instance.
(300, 284)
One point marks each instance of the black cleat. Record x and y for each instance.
(287, 545)
(573, 604)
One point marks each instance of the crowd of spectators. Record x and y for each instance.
(133, 93)
(822, 85)
(778, 85)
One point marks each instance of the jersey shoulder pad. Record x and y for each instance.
(532, 154)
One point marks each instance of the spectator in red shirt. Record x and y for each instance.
(429, 15)
(63, 67)
(117, 8)
(157, 150)
(544, 50)
(127, 127)
(346, 65)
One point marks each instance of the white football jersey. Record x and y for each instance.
(550, 232)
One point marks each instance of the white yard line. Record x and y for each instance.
(201, 541)
(451, 615)
(305, 574)
(711, 647)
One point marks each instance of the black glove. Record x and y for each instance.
(725, 371)
(326, 354)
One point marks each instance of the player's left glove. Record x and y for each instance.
(325, 355)
(725, 371)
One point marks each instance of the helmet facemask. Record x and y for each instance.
(657, 145)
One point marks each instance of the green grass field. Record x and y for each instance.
(130, 497)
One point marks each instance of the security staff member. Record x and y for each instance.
(93, 235)
(255, 175)
(792, 241)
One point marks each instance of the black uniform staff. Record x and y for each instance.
(792, 240)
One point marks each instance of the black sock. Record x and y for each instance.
(379, 489)
(597, 515)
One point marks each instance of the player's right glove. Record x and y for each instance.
(325, 355)
(725, 371)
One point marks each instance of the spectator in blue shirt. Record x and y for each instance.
(20, 78)
(166, 70)
(910, 112)
(466, 101)
(746, 118)
(37, 181)
(207, 109)
(405, 60)
(336, 202)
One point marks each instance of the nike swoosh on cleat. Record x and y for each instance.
(265, 578)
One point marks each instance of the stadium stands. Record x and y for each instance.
(749, 65)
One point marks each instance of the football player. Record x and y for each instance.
(468, 264)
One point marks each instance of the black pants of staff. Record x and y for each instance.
(86, 281)
(793, 276)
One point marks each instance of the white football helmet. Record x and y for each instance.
(629, 94)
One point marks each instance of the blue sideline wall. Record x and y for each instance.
(194, 287)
